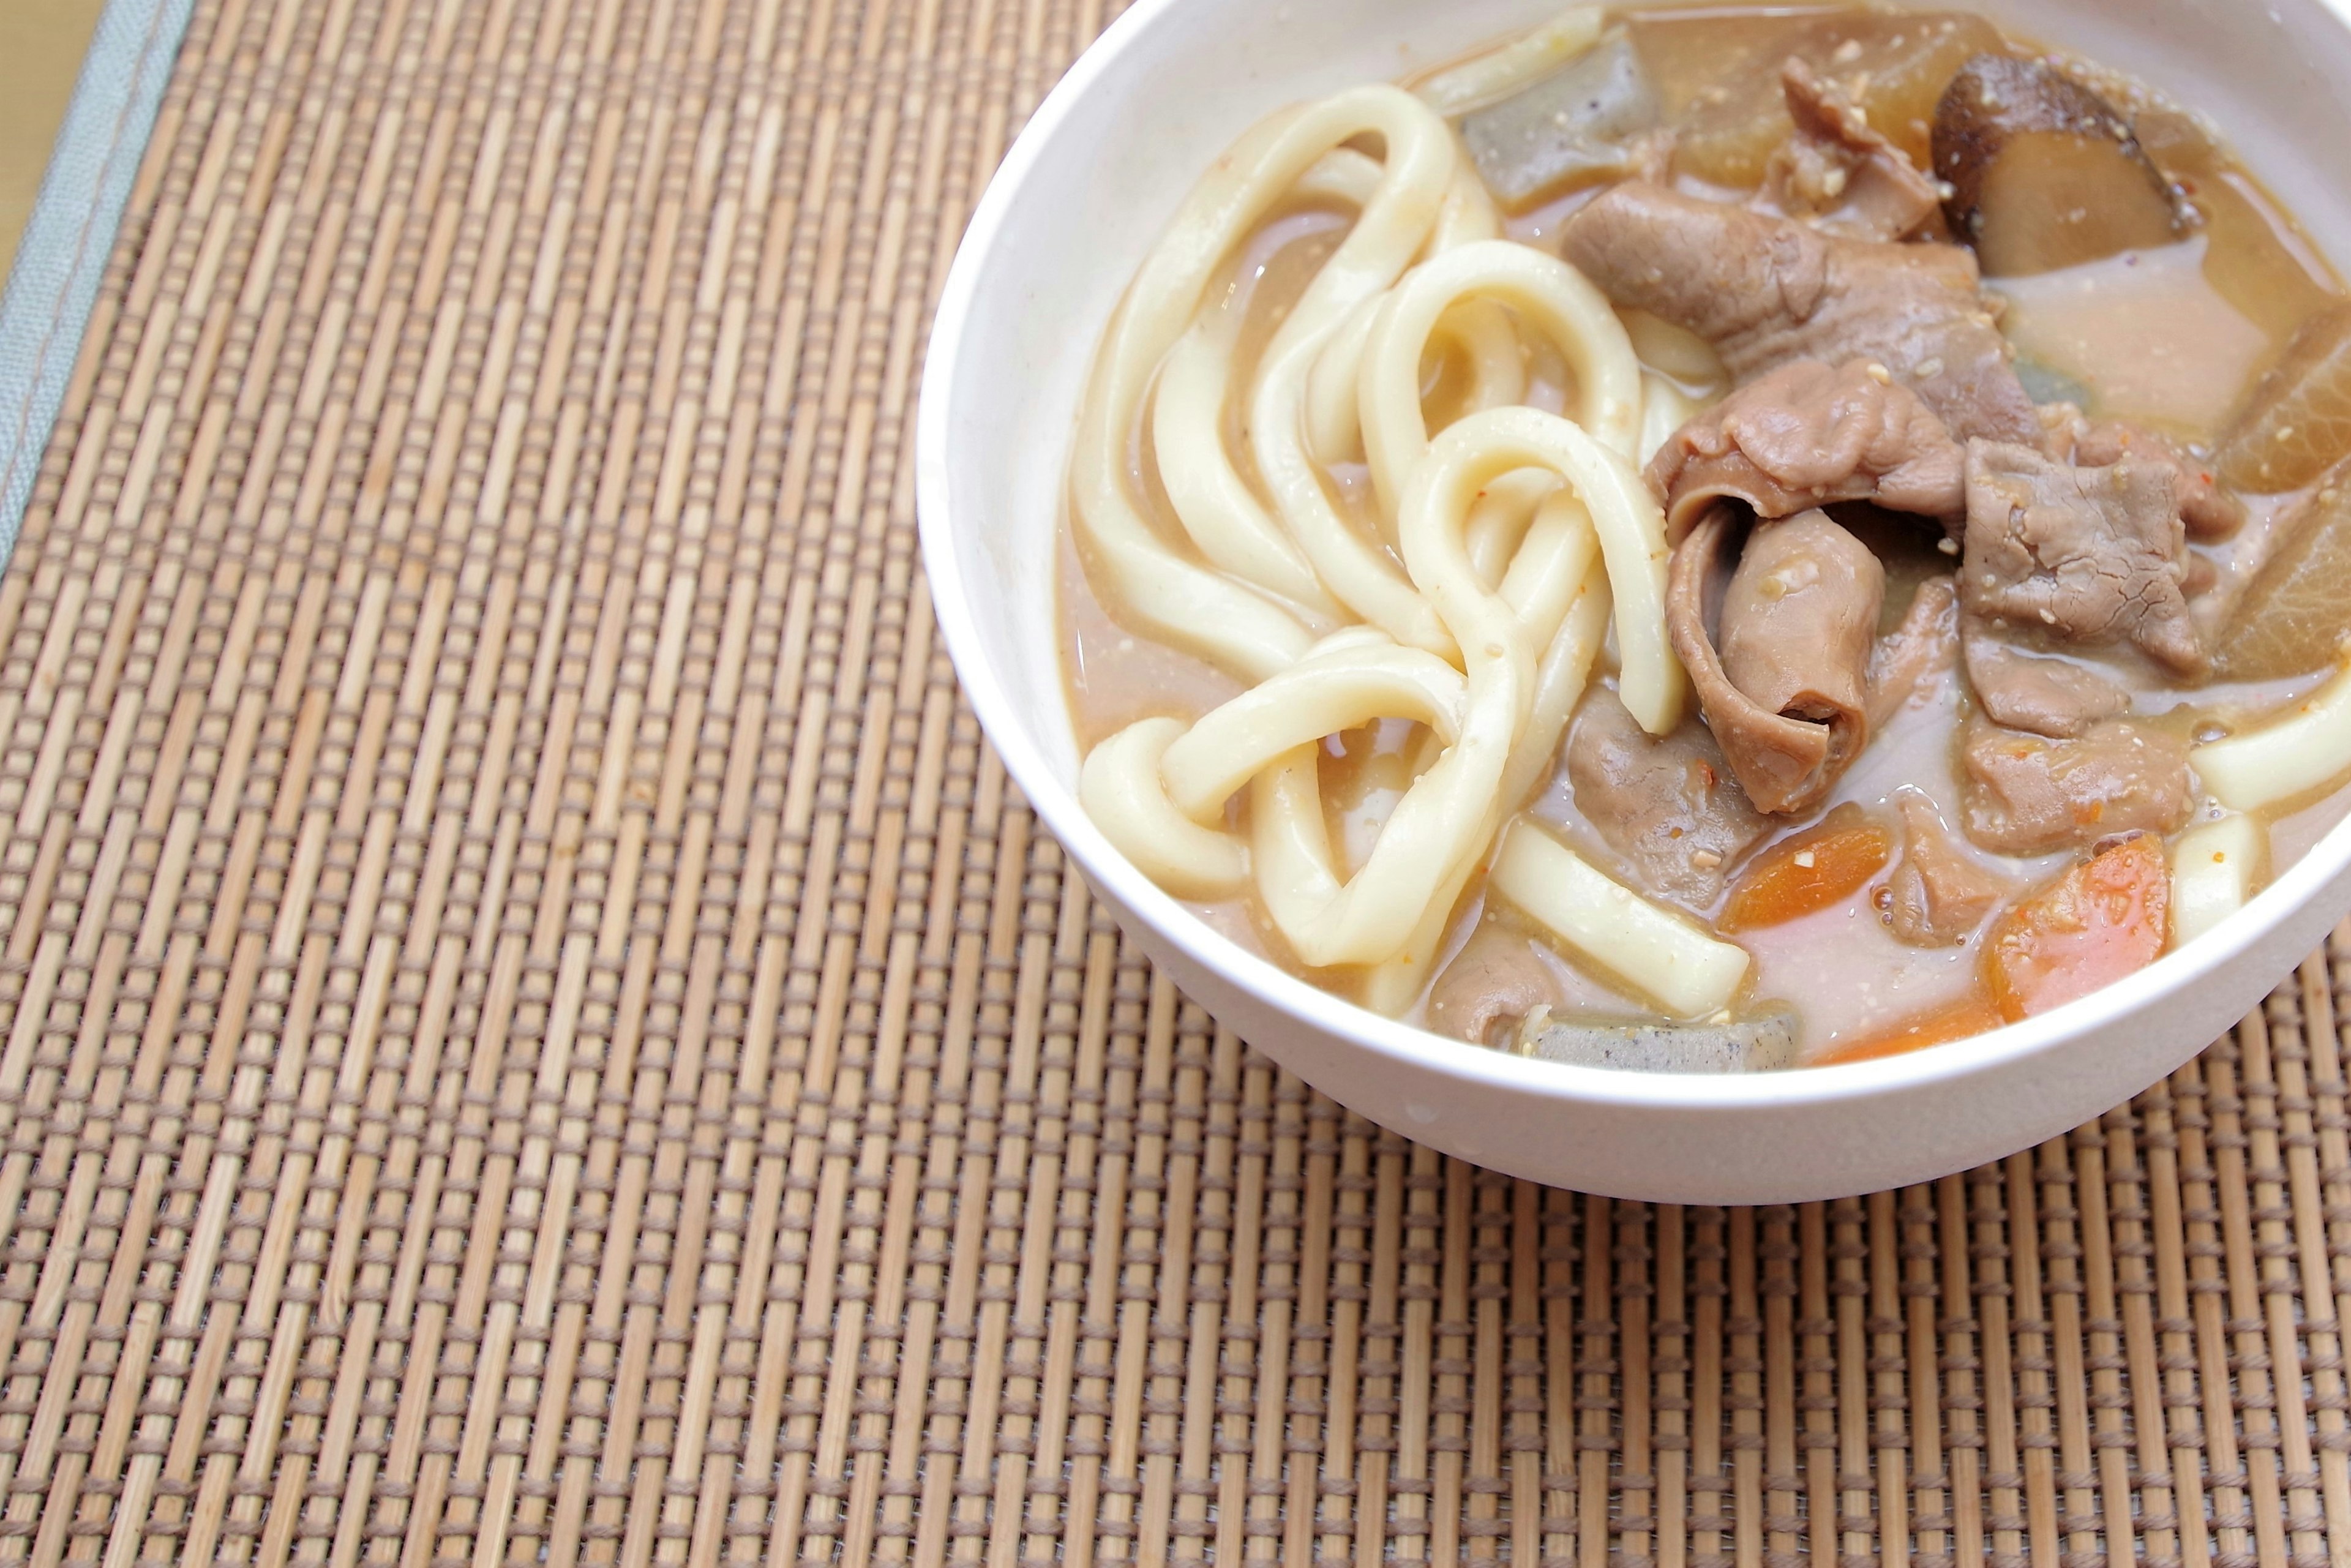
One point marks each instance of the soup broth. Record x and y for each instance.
(2028, 741)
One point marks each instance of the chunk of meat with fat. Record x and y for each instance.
(1838, 173)
(2209, 511)
(2028, 795)
(1923, 645)
(2034, 691)
(2088, 555)
(1807, 435)
(1495, 977)
(1781, 669)
(1937, 895)
(1767, 290)
(1667, 805)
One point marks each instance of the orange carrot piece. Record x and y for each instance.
(2100, 921)
(1808, 873)
(1972, 1014)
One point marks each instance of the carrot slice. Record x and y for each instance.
(1806, 874)
(1970, 1015)
(2100, 921)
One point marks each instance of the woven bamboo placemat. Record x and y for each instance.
(534, 1028)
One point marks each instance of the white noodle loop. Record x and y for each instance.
(1230, 622)
(1527, 645)
(1553, 300)
(1472, 575)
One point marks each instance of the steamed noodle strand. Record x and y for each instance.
(1465, 584)
(1191, 607)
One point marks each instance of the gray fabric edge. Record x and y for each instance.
(53, 285)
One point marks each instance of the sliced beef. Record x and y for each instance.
(2028, 795)
(2209, 511)
(2037, 691)
(1669, 804)
(1938, 895)
(1767, 290)
(1837, 174)
(1907, 660)
(1806, 435)
(1783, 676)
(2087, 555)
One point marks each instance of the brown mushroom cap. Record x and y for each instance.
(2042, 172)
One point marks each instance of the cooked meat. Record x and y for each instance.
(2028, 795)
(2210, 512)
(1496, 976)
(1667, 804)
(1938, 894)
(1837, 174)
(2089, 555)
(2034, 691)
(1805, 435)
(1784, 694)
(1767, 290)
(1923, 645)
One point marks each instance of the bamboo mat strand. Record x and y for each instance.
(532, 1027)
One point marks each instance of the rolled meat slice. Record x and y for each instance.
(1783, 675)
(1808, 435)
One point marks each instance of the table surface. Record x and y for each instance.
(533, 1028)
(41, 46)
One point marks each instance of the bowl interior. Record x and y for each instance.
(1092, 182)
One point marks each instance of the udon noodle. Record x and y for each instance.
(1509, 546)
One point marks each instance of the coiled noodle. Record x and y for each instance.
(1466, 584)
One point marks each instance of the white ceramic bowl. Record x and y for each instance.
(1085, 189)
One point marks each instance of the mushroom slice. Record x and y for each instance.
(2043, 172)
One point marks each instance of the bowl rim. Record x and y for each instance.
(1056, 803)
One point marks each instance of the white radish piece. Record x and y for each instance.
(2309, 747)
(2213, 868)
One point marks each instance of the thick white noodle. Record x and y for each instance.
(1317, 697)
(1468, 213)
(2309, 747)
(1669, 959)
(1119, 788)
(1664, 408)
(2213, 868)
(1206, 492)
(1501, 72)
(1630, 527)
(1343, 176)
(1675, 351)
(1495, 563)
(1481, 334)
(1174, 599)
(1527, 644)
(1550, 299)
